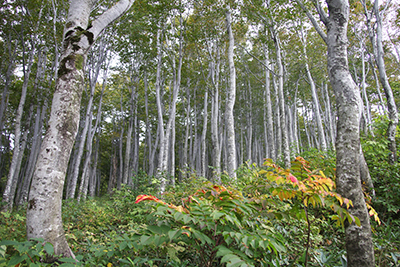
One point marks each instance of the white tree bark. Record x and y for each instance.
(270, 116)
(393, 116)
(9, 193)
(43, 218)
(230, 102)
(320, 127)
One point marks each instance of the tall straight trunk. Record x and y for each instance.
(215, 113)
(330, 118)
(32, 158)
(393, 116)
(165, 142)
(9, 73)
(295, 116)
(203, 136)
(161, 133)
(86, 173)
(364, 90)
(270, 116)
(128, 145)
(17, 176)
(278, 128)
(230, 102)
(82, 191)
(94, 177)
(187, 128)
(113, 171)
(318, 117)
(378, 52)
(284, 131)
(9, 193)
(359, 246)
(43, 219)
(249, 125)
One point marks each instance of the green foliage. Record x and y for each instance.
(386, 177)
(12, 226)
(33, 253)
(268, 217)
(216, 225)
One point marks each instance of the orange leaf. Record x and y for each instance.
(140, 198)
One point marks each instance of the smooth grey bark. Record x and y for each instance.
(161, 133)
(249, 125)
(121, 147)
(294, 124)
(393, 116)
(87, 170)
(82, 191)
(36, 140)
(128, 145)
(185, 164)
(9, 192)
(43, 219)
(318, 118)
(282, 106)
(203, 136)
(215, 62)
(215, 112)
(278, 128)
(75, 173)
(376, 40)
(230, 102)
(359, 246)
(8, 78)
(364, 89)
(165, 138)
(330, 118)
(270, 116)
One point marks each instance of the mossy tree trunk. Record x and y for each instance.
(43, 218)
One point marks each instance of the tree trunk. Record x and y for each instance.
(270, 116)
(393, 116)
(230, 102)
(43, 219)
(314, 95)
(9, 194)
(359, 246)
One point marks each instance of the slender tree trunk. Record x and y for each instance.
(203, 136)
(284, 131)
(270, 124)
(230, 102)
(314, 95)
(393, 116)
(9, 193)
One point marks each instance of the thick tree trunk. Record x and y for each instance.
(43, 219)
(359, 246)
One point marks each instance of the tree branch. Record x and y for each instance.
(322, 15)
(109, 16)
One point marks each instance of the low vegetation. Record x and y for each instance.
(269, 216)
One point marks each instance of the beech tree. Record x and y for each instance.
(43, 217)
(359, 246)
